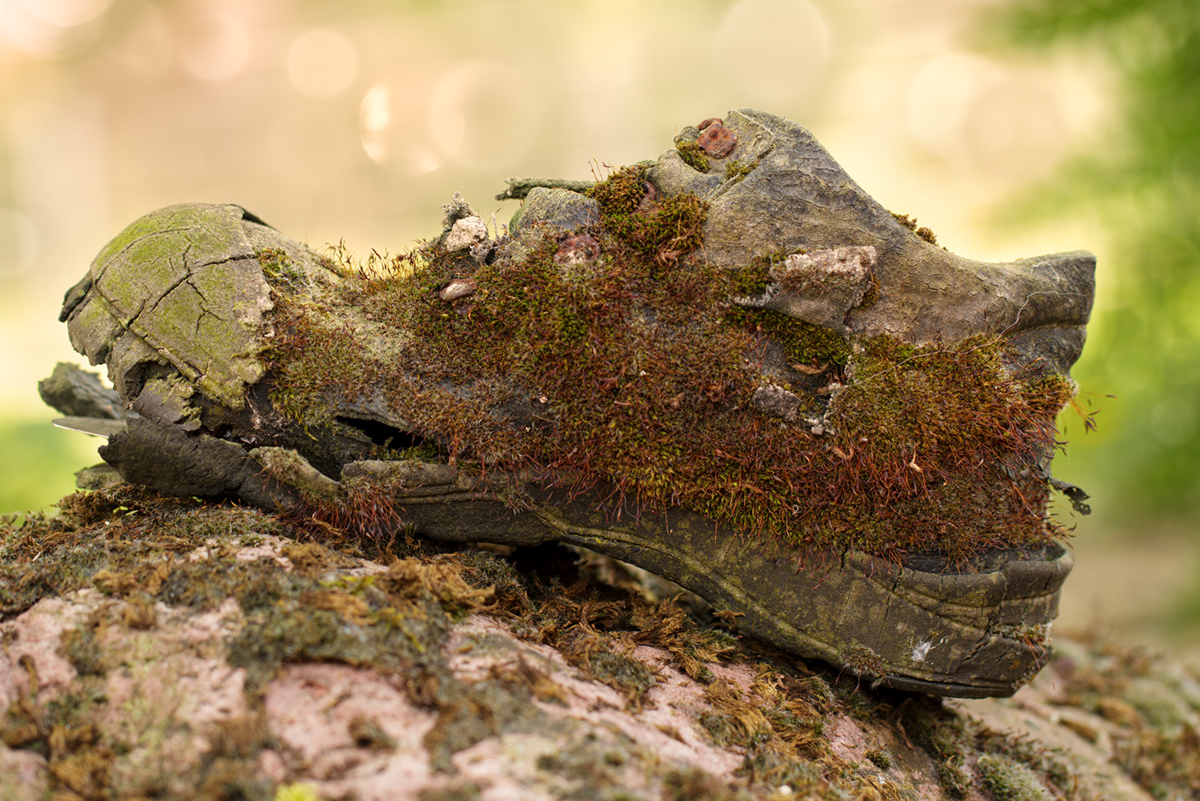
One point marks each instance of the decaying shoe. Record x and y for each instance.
(730, 367)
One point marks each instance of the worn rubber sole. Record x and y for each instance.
(974, 630)
(958, 632)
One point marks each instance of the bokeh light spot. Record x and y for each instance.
(484, 115)
(1015, 127)
(322, 63)
(968, 108)
(941, 96)
(50, 29)
(478, 115)
(394, 125)
(144, 46)
(214, 46)
(65, 13)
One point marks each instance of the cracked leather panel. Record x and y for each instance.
(182, 287)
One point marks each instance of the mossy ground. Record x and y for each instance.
(1157, 740)
(140, 551)
(629, 366)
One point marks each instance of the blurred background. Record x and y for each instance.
(1010, 128)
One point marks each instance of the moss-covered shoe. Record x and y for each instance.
(729, 366)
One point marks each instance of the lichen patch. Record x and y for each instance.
(319, 712)
(36, 636)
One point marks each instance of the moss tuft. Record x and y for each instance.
(945, 738)
(1007, 780)
(281, 273)
(693, 155)
(476, 712)
(696, 785)
(81, 650)
(802, 343)
(653, 227)
(737, 170)
(621, 192)
(911, 224)
(880, 759)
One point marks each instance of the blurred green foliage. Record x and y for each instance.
(39, 463)
(1141, 187)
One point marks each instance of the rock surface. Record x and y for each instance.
(159, 648)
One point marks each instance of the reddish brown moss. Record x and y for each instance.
(911, 224)
(637, 372)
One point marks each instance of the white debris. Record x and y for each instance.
(466, 232)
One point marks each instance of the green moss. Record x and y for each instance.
(103, 539)
(1007, 780)
(80, 648)
(928, 407)
(624, 673)
(697, 785)
(621, 192)
(1049, 765)
(331, 356)
(737, 170)
(945, 738)
(693, 155)
(479, 711)
(671, 229)
(397, 622)
(281, 273)
(206, 584)
(774, 768)
(399, 619)
(591, 768)
(89, 754)
(468, 791)
(1166, 763)
(722, 729)
(802, 343)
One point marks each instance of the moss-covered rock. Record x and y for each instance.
(207, 651)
